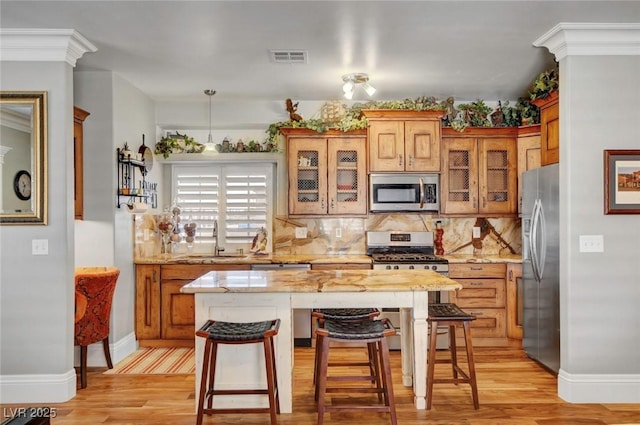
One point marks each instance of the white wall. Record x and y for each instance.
(119, 113)
(600, 292)
(36, 292)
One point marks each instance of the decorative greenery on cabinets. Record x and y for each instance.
(544, 84)
(177, 143)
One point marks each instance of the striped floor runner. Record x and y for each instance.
(149, 361)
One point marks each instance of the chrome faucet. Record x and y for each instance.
(216, 247)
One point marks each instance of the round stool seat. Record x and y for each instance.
(369, 329)
(346, 313)
(448, 311)
(232, 331)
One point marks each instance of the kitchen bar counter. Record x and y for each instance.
(246, 296)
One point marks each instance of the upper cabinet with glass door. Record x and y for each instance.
(327, 172)
(479, 172)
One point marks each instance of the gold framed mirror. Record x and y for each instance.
(23, 157)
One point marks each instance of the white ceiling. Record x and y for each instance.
(173, 50)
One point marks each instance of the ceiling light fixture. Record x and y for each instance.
(352, 80)
(210, 93)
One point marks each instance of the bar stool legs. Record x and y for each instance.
(237, 333)
(372, 332)
(452, 316)
(348, 315)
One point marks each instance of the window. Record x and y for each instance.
(239, 196)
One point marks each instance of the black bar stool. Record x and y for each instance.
(450, 315)
(217, 332)
(368, 331)
(348, 315)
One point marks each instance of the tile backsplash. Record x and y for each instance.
(347, 235)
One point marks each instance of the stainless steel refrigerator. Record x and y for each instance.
(541, 265)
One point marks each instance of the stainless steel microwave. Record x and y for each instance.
(404, 192)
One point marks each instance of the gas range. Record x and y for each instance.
(394, 250)
(408, 251)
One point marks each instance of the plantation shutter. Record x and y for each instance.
(238, 196)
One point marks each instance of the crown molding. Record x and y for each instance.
(43, 45)
(591, 39)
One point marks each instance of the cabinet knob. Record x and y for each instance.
(410, 160)
(400, 160)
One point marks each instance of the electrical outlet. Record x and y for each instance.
(476, 232)
(40, 247)
(301, 232)
(338, 232)
(591, 243)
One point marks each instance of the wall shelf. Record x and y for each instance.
(129, 188)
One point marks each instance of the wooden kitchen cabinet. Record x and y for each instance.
(327, 172)
(528, 154)
(515, 310)
(147, 302)
(549, 128)
(479, 172)
(164, 315)
(79, 115)
(404, 140)
(483, 295)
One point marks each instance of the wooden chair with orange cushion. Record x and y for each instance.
(94, 295)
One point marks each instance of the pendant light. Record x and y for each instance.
(210, 93)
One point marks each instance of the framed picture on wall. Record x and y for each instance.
(622, 181)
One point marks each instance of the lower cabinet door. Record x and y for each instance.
(178, 312)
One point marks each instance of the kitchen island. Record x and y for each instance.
(246, 296)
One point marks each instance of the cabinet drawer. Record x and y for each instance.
(194, 271)
(471, 271)
(489, 323)
(480, 293)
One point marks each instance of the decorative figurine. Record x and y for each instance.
(259, 244)
(292, 108)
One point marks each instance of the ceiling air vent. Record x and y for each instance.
(288, 56)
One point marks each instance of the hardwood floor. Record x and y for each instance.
(513, 391)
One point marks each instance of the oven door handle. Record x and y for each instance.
(421, 182)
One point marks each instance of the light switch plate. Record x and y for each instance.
(591, 243)
(476, 232)
(40, 246)
(301, 232)
(338, 232)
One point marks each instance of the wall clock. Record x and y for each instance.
(22, 185)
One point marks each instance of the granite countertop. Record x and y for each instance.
(309, 259)
(243, 281)
(255, 259)
(488, 258)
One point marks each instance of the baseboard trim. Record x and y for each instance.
(589, 388)
(38, 388)
(60, 388)
(119, 350)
